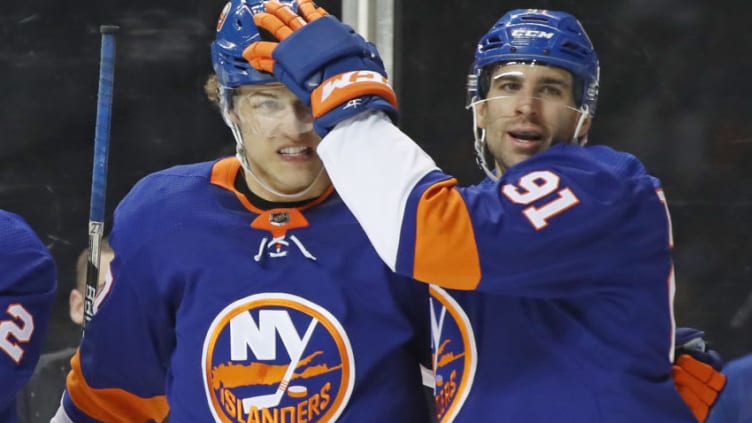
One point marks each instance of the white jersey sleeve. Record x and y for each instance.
(381, 201)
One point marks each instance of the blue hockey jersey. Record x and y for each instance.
(218, 311)
(27, 291)
(553, 287)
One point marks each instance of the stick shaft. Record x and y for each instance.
(99, 168)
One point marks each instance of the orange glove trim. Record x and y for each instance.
(347, 86)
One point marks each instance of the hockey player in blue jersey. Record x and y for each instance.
(552, 282)
(27, 291)
(244, 290)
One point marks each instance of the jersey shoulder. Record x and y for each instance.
(27, 265)
(16, 233)
(158, 204)
(599, 157)
(163, 197)
(166, 189)
(574, 190)
(597, 169)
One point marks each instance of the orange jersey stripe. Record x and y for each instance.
(445, 250)
(112, 405)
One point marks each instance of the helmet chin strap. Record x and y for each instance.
(240, 153)
(480, 147)
(584, 112)
(480, 152)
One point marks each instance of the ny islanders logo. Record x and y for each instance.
(276, 357)
(454, 354)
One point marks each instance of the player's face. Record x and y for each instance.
(528, 108)
(279, 139)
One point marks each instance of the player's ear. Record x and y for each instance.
(480, 111)
(585, 128)
(76, 306)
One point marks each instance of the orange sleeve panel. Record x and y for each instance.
(446, 253)
(112, 405)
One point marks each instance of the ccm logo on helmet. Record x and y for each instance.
(531, 33)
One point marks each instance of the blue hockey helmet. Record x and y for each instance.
(540, 36)
(236, 31)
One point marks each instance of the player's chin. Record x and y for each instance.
(300, 170)
(296, 179)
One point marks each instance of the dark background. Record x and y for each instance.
(675, 92)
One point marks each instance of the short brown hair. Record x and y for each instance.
(211, 89)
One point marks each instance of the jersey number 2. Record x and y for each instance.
(21, 333)
(534, 186)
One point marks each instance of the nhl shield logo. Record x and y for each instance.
(277, 357)
(279, 218)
